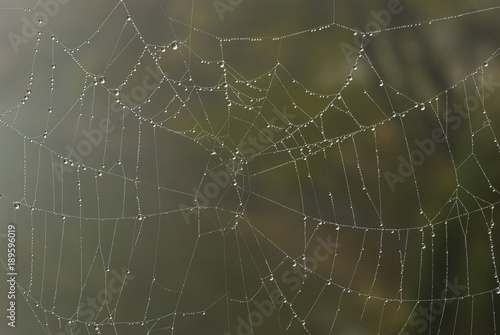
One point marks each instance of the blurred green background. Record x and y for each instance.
(293, 140)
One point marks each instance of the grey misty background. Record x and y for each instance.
(181, 271)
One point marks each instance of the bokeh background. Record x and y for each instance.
(231, 167)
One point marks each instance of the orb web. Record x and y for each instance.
(175, 167)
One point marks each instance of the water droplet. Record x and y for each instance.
(117, 93)
(53, 66)
(174, 45)
(497, 290)
(381, 83)
(221, 64)
(423, 246)
(349, 78)
(16, 205)
(102, 80)
(485, 64)
(50, 110)
(129, 18)
(422, 107)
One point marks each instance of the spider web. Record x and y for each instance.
(183, 167)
